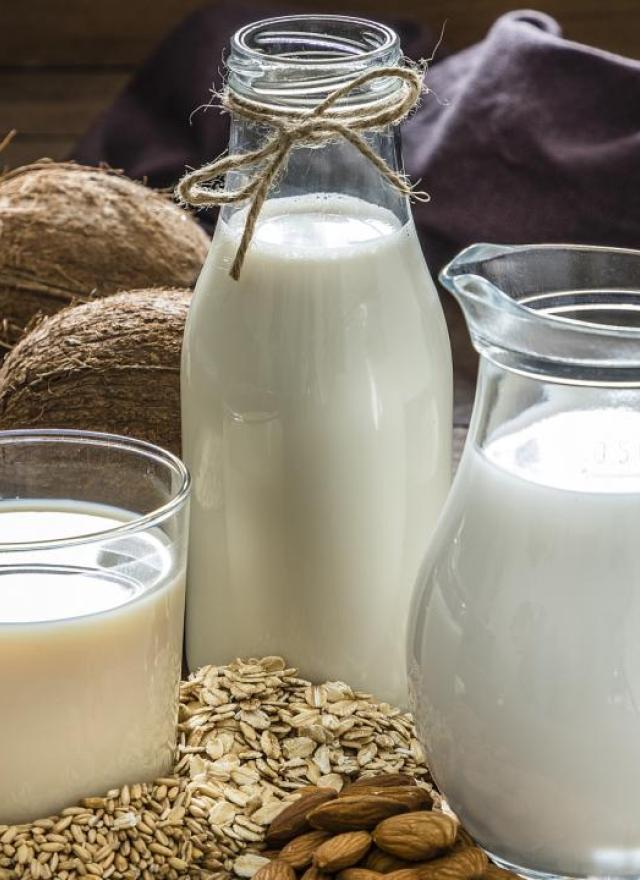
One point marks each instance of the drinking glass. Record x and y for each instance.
(93, 534)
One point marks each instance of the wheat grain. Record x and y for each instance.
(250, 735)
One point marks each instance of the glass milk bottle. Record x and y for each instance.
(316, 388)
(524, 651)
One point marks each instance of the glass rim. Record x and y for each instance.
(239, 41)
(98, 439)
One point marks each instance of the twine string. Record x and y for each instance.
(322, 124)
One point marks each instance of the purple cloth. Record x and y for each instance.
(151, 131)
(539, 139)
(540, 142)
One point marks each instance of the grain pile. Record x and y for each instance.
(109, 365)
(71, 233)
(251, 735)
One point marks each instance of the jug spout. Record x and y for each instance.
(468, 278)
(568, 312)
(469, 263)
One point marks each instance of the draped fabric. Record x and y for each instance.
(525, 137)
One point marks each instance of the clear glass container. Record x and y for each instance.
(316, 389)
(93, 538)
(524, 648)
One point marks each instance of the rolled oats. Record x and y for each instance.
(250, 735)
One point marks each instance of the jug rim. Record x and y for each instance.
(567, 311)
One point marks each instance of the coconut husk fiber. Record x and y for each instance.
(111, 365)
(70, 232)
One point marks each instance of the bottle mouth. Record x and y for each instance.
(567, 312)
(296, 61)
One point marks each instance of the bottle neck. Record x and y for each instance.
(336, 168)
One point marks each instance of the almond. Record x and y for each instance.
(403, 874)
(298, 852)
(313, 873)
(342, 851)
(493, 872)
(307, 789)
(466, 864)
(276, 870)
(354, 813)
(415, 836)
(413, 797)
(379, 780)
(358, 874)
(292, 821)
(382, 862)
(463, 839)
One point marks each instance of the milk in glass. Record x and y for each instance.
(90, 655)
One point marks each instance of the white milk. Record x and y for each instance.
(530, 669)
(316, 424)
(89, 659)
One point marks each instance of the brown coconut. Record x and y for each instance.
(69, 232)
(109, 365)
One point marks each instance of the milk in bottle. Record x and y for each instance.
(316, 421)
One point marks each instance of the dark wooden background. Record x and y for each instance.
(63, 61)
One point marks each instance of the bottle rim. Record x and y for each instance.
(297, 60)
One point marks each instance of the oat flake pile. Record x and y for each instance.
(250, 735)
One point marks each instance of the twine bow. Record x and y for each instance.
(301, 127)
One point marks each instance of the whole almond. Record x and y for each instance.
(466, 864)
(493, 872)
(379, 780)
(342, 851)
(354, 813)
(275, 870)
(403, 874)
(298, 852)
(292, 821)
(382, 862)
(413, 797)
(359, 874)
(416, 836)
(463, 839)
(313, 873)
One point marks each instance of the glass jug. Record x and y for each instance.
(316, 389)
(524, 640)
